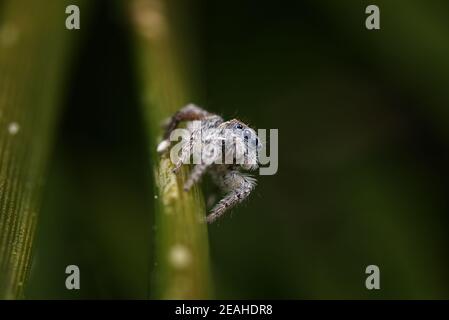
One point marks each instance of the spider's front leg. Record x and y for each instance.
(188, 113)
(238, 186)
(209, 153)
(195, 175)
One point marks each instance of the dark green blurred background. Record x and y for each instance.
(363, 119)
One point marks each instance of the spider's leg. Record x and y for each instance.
(195, 175)
(238, 186)
(209, 155)
(184, 156)
(178, 166)
(188, 113)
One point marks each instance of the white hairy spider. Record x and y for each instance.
(223, 148)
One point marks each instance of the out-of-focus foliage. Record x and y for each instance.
(362, 118)
(30, 92)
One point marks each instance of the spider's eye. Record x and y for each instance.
(247, 134)
(238, 126)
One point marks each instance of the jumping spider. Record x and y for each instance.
(233, 139)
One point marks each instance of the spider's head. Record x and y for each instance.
(243, 141)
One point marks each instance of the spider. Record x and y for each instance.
(233, 139)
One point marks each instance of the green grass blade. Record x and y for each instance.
(182, 252)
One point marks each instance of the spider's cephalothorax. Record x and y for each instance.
(223, 148)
